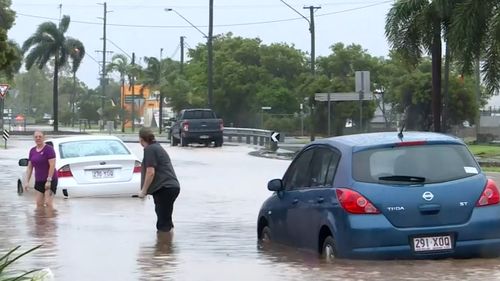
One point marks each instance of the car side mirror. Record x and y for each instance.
(275, 185)
(23, 162)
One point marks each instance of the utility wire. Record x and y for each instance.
(219, 25)
(243, 6)
(113, 43)
(91, 57)
(176, 51)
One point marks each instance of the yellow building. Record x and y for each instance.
(146, 104)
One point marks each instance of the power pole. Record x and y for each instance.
(312, 102)
(132, 84)
(210, 53)
(103, 74)
(182, 54)
(160, 107)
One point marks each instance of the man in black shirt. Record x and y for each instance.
(158, 179)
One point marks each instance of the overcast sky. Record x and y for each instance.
(145, 28)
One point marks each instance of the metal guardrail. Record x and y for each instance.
(250, 136)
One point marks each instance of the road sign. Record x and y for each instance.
(3, 90)
(275, 136)
(362, 82)
(342, 96)
(6, 135)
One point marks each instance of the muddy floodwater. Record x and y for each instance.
(215, 230)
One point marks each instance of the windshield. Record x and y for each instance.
(92, 148)
(414, 164)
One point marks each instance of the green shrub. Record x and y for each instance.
(6, 262)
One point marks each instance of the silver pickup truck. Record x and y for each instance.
(196, 126)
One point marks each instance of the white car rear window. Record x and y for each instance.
(86, 148)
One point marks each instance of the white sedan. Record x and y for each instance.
(92, 166)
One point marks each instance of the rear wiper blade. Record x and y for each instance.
(402, 178)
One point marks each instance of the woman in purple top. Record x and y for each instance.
(42, 158)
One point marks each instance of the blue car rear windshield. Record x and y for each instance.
(433, 162)
(86, 148)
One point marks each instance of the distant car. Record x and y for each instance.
(196, 126)
(381, 196)
(92, 166)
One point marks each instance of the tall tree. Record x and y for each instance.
(415, 26)
(152, 78)
(10, 54)
(49, 42)
(77, 53)
(475, 35)
(119, 63)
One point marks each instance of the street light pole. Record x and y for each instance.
(210, 52)
(160, 107)
(313, 63)
(209, 48)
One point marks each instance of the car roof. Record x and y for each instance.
(82, 138)
(358, 142)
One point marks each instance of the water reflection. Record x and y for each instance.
(42, 228)
(157, 261)
(297, 264)
(215, 239)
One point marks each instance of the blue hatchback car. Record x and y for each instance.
(384, 195)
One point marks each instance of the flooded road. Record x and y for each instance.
(215, 230)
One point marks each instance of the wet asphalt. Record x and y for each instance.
(214, 237)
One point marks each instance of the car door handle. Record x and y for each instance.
(295, 201)
(320, 200)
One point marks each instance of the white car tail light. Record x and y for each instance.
(137, 167)
(64, 172)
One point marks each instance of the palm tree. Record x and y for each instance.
(475, 37)
(119, 63)
(77, 53)
(46, 43)
(152, 78)
(414, 27)
(134, 73)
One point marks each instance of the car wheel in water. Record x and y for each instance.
(20, 189)
(218, 142)
(173, 140)
(328, 251)
(266, 235)
(184, 141)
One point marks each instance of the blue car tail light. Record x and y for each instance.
(490, 195)
(354, 202)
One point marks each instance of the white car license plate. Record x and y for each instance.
(102, 174)
(432, 243)
(204, 137)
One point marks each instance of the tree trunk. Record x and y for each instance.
(122, 101)
(73, 98)
(55, 94)
(446, 108)
(436, 77)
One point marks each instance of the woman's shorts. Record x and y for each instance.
(40, 186)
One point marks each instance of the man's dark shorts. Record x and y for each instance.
(40, 186)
